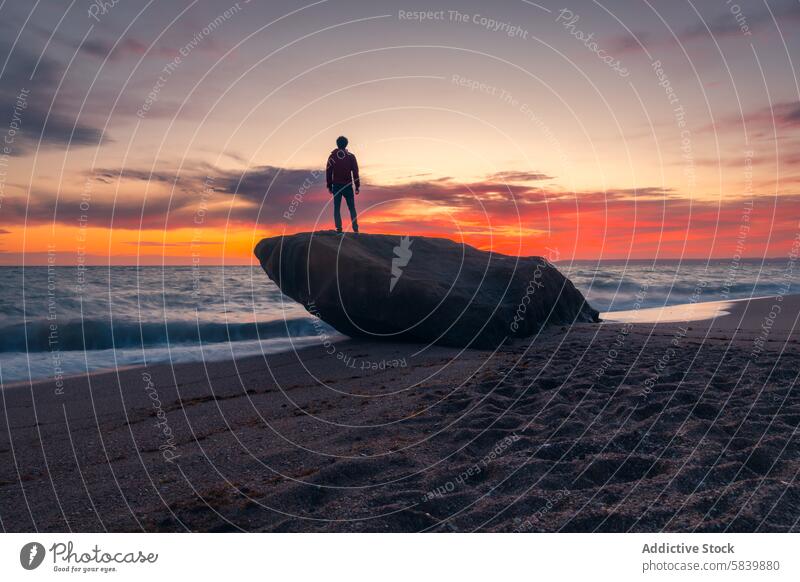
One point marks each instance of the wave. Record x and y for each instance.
(627, 286)
(93, 334)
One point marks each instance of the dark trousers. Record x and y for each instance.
(346, 191)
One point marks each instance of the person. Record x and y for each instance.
(341, 175)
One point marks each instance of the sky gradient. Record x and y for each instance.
(155, 132)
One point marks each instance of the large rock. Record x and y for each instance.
(420, 289)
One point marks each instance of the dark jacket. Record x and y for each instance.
(340, 164)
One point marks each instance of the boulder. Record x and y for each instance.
(420, 289)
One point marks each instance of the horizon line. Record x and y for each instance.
(254, 262)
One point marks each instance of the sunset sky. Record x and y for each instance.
(154, 132)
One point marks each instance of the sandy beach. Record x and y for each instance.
(626, 425)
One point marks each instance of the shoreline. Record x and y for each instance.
(593, 428)
(700, 313)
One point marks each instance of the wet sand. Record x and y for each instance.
(627, 425)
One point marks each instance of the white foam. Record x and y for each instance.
(672, 314)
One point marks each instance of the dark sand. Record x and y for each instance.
(683, 430)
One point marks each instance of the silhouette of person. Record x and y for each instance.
(341, 176)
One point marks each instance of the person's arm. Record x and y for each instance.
(329, 173)
(356, 179)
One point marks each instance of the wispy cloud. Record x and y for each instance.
(518, 176)
(755, 17)
(170, 244)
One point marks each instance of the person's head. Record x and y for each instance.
(341, 142)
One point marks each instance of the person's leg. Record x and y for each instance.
(337, 207)
(351, 206)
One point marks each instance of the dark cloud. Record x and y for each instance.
(752, 16)
(255, 184)
(28, 88)
(155, 212)
(788, 156)
(131, 47)
(764, 122)
(111, 176)
(790, 115)
(102, 49)
(625, 43)
(724, 24)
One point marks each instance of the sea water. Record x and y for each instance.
(59, 321)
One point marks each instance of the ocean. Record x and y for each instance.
(60, 321)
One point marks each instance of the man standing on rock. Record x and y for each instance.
(341, 175)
